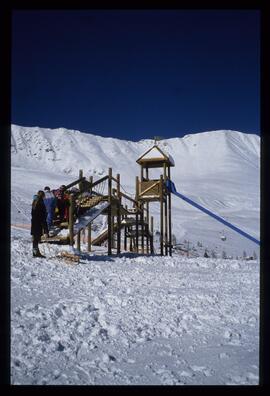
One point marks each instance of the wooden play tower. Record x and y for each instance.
(104, 197)
(155, 190)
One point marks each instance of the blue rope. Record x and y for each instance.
(171, 187)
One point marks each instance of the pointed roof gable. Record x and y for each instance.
(155, 157)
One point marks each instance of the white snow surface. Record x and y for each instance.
(138, 320)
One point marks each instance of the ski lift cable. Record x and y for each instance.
(171, 187)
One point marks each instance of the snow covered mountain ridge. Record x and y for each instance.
(66, 151)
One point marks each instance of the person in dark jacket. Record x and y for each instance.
(50, 204)
(38, 221)
(61, 203)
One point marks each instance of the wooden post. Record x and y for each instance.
(164, 171)
(125, 232)
(152, 237)
(130, 240)
(71, 220)
(147, 216)
(118, 215)
(161, 215)
(137, 219)
(110, 213)
(79, 233)
(80, 176)
(147, 221)
(142, 228)
(141, 172)
(146, 227)
(89, 228)
(166, 225)
(79, 241)
(170, 216)
(165, 210)
(89, 248)
(91, 182)
(112, 236)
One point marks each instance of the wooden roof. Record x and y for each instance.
(154, 157)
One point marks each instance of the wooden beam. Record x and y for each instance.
(147, 222)
(166, 225)
(89, 247)
(137, 224)
(109, 212)
(74, 183)
(130, 245)
(161, 215)
(71, 220)
(118, 215)
(125, 232)
(89, 227)
(149, 188)
(100, 180)
(142, 229)
(152, 237)
(79, 241)
(80, 177)
(129, 198)
(170, 216)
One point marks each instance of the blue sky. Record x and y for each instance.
(136, 74)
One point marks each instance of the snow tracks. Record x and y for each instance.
(133, 320)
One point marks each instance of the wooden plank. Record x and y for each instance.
(161, 217)
(69, 256)
(170, 216)
(109, 213)
(118, 216)
(152, 186)
(71, 219)
(74, 183)
(129, 198)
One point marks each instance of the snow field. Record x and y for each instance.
(146, 320)
(132, 320)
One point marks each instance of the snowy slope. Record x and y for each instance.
(215, 153)
(145, 320)
(132, 320)
(218, 169)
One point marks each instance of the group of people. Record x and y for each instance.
(46, 206)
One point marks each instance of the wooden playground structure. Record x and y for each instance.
(129, 227)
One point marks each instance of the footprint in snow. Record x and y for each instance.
(233, 337)
(202, 369)
(223, 355)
